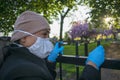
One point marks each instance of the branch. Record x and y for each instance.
(66, 12)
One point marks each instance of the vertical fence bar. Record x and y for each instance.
(98, 43)
(77, 66)
(60, 66)
(86, 48)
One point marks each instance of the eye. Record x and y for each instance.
(45, 33)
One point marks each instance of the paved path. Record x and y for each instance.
(112, 51)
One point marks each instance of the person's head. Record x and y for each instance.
(30, 23)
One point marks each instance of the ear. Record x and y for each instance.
(23, 40)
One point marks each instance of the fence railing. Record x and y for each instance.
(70, 59)
(80, 60)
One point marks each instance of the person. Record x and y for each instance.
(93, 63)
(32, 56)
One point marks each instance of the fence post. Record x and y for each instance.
(98, 43)
(60, 65)
(77, 55)
(86, 48)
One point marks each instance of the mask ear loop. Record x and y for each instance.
(29, 34)
(23, 32)
(26, 33)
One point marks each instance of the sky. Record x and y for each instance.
(79, 15)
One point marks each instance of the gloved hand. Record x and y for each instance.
(55, 52)
(97, 56)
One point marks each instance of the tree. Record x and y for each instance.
(10, 9)
(50, 9)
(102, 9)
(62, 8)
(82, 30)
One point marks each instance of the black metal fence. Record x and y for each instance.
(80, 61)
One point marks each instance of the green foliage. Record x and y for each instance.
(70, 49)
(10, 9)
(102, 9)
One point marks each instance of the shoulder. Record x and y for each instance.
(26, 68)
(21, 65)
(23, 70)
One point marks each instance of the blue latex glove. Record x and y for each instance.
(97, 56)
(55, 52)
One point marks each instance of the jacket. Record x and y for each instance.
(90, 73)
(20, 64)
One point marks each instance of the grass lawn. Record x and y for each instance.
(70, 69)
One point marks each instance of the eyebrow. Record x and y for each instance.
(46, 30)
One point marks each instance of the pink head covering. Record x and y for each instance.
(30, 22)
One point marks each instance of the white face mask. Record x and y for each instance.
(41, 48)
